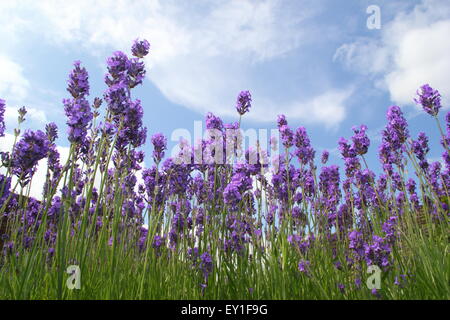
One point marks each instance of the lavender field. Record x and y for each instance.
(220, 220)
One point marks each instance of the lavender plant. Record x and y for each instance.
(266, 225)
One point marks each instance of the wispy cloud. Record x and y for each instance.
(412, 50)
(203, 54)
(12, 82)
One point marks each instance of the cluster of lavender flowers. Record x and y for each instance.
(196, 209)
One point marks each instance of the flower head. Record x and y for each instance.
(378, 252)
(243, 102)
(303, 266)
(360, 140)
(51, 130)
(281, 121)
(33, 147)
(304, 152)
(2, 119)
(233, 192)
(78, 81)
(287, 136)
(356, 243)
(159, 142)
(430, 99)
(117, 97)
(140, 48)
(393, 137)
(5, 185)
(325, 156)
(206, 264)
(133, 131)
(79, 116)
(213, 122)
(117, 65)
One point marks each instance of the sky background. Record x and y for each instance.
(314, 61)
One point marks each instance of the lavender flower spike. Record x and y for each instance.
(325, 156)
(78, 81)
(159, 142)
(2, 117)
(430, 99)
(243, 102)
(33, 147)
(140, 48)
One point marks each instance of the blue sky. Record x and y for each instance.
(315, 61)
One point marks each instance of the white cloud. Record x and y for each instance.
(327, 108)
(422, 57)
(202, 55)
(412, 50)
(12, 81)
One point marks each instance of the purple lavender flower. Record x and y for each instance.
(117, 97)
(287, 136)
(411, 186)
(136, 72)
(393, 138)
(271, 214)
(303, 266)
(345, 148)
(390, 230)
(51, 130)
(213, 122)
(378, 252)
(233, 192)
(434, 174)
(133, 131)
(243, 102)
(22, 112)
(447, 120)
(302, 244)
(78, 81)
(118, 65)
(356, 243)
(206, 264)
(325, 156)
(78, 112)
(2, 117)
(281, 121)
(140, 48)
(376, 293)
(5, 185)
(33, 147)
(329, 181)
(352, 165)
(365, 179)
(122, 70)
(158, 241)
(430, 99)
(159, 142)
(360, 140)
(397, 126)
(304, 151)
(420, 148)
